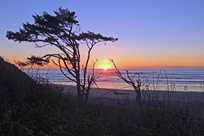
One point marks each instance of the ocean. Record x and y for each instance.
(166, 79)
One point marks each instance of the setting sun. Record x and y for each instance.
(104, 64)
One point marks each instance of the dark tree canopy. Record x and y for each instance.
(55, 29)
(61, 30)
(47, 28)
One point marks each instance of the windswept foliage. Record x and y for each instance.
(61, 30)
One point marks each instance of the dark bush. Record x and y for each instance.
(30, 109)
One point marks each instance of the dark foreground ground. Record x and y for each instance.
(30, 109)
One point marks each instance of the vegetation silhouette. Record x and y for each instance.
(31, 109)
(132, 79)
(61, 30)
(28, 108)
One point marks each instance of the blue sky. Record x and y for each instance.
(154, 32)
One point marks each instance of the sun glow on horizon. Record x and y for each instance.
(104, 64)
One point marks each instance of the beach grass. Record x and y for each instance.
(31, 109)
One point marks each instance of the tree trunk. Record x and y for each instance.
(86, 98)
(79, 95)
(79, 90)
(139, 97)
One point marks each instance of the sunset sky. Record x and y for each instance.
(151, 33)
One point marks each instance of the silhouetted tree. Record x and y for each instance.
(61, 30)
(132, 79)
(32, 67)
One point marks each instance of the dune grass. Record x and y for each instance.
(31, 109)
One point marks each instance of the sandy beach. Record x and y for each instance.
(129, 96)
